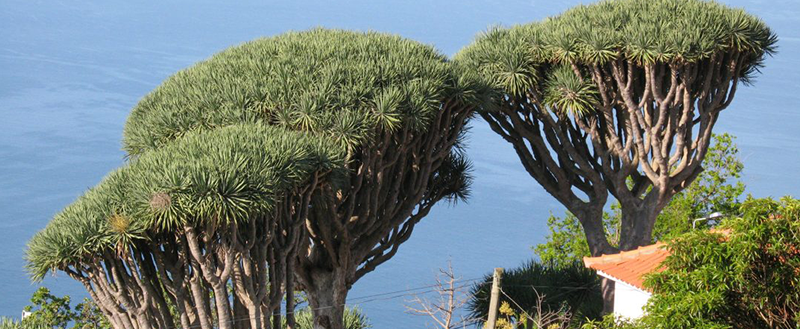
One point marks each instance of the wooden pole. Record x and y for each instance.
(493, 303)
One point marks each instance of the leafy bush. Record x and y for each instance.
(745, 277)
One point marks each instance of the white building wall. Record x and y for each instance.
(629, 301)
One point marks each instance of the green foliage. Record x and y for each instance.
(566, 287)
(346, 85)
(353, 319)
(749, 277)
(7, 323)
(223, 176)
(716, 189)
(89, 316)
(612, 321)
(643, 31)
(453, 179)
(226, 175)
(565, 243)
(569, 94)
(50, 311)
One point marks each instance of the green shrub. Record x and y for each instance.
(612, 321)
(746, 278)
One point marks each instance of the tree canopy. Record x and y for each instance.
(345, 85)
(646, 32)
(222, 177)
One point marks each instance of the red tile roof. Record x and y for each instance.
(630, 266)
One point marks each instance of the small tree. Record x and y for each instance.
(89, 316)
(48, 310)
(396, 108)
(618, 97)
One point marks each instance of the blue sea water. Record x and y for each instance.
(70, 71)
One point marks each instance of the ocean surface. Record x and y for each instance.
(70, 71)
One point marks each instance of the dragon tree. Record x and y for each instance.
(203, 226)
(394, 107)
(618, 98)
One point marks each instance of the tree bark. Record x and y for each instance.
(327, 296)
(290, 305)
(200, 301)
(591, 219)
(223, 306)
(638, 222)
(242, 316)
(607, 287)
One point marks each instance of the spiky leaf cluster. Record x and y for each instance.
(223, 176)
(524, 57)
(346, 85)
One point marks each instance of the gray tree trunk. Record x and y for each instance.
(327, 297)
(198, 293)
(223, 306)
(607, 287)
(637, 223)
(591, 218)
(143, 321)
(242, 312)
(290, 305)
